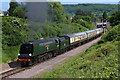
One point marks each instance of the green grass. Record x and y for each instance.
(10, 53)
(99, 61)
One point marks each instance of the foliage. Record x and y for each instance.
(10, 53)
(112, 35)
(87, 14)
(84, 21)
(57, 12)
(19, 12)
(14, 31)
(79, 12)
(96, 9)
(105, 15)
(115, 18)
(53, 29)
(87, 18)
(47, 30)
(13, 5)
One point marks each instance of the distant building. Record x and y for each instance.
(1, 13)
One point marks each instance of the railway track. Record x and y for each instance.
(14, 71)
(10, 72)
(20, 69)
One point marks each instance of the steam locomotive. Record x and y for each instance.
(36, 51)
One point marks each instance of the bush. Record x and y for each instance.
(19, 12)
(115, 18)
(14, 30)
(10, 53)
(112, 35)
(85, 21)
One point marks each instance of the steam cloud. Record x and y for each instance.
(36, 12)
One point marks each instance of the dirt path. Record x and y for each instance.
(52, 63)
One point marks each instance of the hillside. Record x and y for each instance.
(99, 61)
(96, 9)
(18, 30)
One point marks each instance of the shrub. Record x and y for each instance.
(112, 34)
(14, 30)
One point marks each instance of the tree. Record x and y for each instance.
(14, 31)
(85, 21)
(113, 34)
(80, 12)
(13, 5)
(57, 12)
(19, 12)
(87, 18)
(105, 15)
(91, 15)
(115, 18)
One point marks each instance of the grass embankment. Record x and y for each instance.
(99, 61)
(10, 53)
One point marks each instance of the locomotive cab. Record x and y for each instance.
(25, 54)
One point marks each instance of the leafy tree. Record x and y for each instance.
(115, 18)
(80, 12)
(112, 35)
(14, 31)
(19, 12)
(91, 15)
(57, 12)
(13, 5)
(84, 21)
(97, 9)
(77, 18)
(86, 18)
(105, 15)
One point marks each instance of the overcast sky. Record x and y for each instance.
(4, 4)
